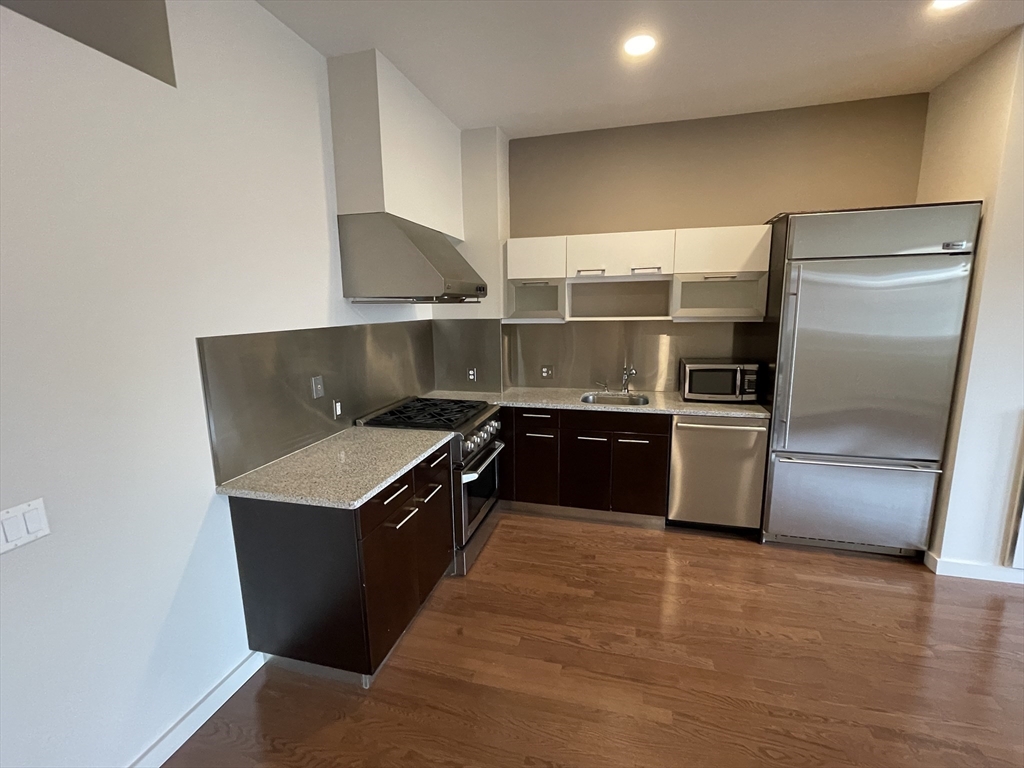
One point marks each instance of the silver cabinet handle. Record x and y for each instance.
(595, 439)
(406, 519)
(581, 272)
(536, 415)
(720, 277)
(395, 495)
(645, 270)
(642, 442)
(438, 460)
(433, 493)
(536, 282)
(736, 427)
(787, 460)
(534, 434)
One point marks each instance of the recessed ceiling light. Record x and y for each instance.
(639, 45)
(945, 5)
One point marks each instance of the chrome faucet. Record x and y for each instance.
(628, 372)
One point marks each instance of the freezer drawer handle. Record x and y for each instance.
(787, 460)
(736, 427)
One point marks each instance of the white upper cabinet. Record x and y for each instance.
(722, 249)
(536, 258)
(620, 253)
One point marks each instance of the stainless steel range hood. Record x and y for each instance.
(388, 259)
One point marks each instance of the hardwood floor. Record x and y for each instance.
(584, 644)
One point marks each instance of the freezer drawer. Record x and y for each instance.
(850, 502)
(717, 472)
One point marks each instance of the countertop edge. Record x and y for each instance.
(224, 490)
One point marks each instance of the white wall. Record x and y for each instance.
(485, 196)
(973, 150)
(135, 217)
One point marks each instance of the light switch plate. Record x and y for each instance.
(547, 371)
(317, 383)
(22, 524)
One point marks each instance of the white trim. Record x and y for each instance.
(167, 744)
(966, 569)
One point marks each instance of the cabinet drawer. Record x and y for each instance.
(380, 507)
(617, 421)
(435, 465)
(532, 419)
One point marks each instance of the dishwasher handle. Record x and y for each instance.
(734, 427)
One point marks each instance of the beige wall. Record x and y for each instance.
(973, 149)
(740, 169)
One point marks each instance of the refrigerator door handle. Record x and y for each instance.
(793, 297)
(893, 467)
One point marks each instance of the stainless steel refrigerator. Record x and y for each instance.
(870, 306)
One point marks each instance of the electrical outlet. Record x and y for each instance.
(318, 387)
(22, 524)
(336, 409)
(547, 371)
(471, 374)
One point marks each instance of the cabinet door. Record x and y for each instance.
(435, 533)
(390, 581)
(585, 463)
(620, 253)
(536, 257)
(507, 465)
(537, 465)
(722, 249)
(640, 474)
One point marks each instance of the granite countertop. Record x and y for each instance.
(551, 397)
(344, 471)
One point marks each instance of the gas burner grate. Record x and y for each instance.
(428, 413)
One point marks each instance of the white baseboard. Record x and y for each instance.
(160, 750)
(966, 569)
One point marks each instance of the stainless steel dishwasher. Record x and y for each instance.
(718, 468)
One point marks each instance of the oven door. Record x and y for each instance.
(479, 486)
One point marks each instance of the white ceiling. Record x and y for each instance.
(535, 67)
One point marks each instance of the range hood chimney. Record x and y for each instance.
(387, 259)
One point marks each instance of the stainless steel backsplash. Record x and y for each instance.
(463, 344)
(259, 403)
(585, 352)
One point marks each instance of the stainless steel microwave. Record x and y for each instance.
(718, 381)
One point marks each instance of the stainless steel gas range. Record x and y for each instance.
(475, 450)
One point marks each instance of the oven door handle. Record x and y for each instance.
(473, 474)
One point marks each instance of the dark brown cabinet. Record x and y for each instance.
(640, 474)
(607, 460)
(585, 465)
(390, 581)
(435, 538)
(536, 457)
(338, 587)
(507, 464)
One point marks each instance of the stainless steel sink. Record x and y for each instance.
(614, 398)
